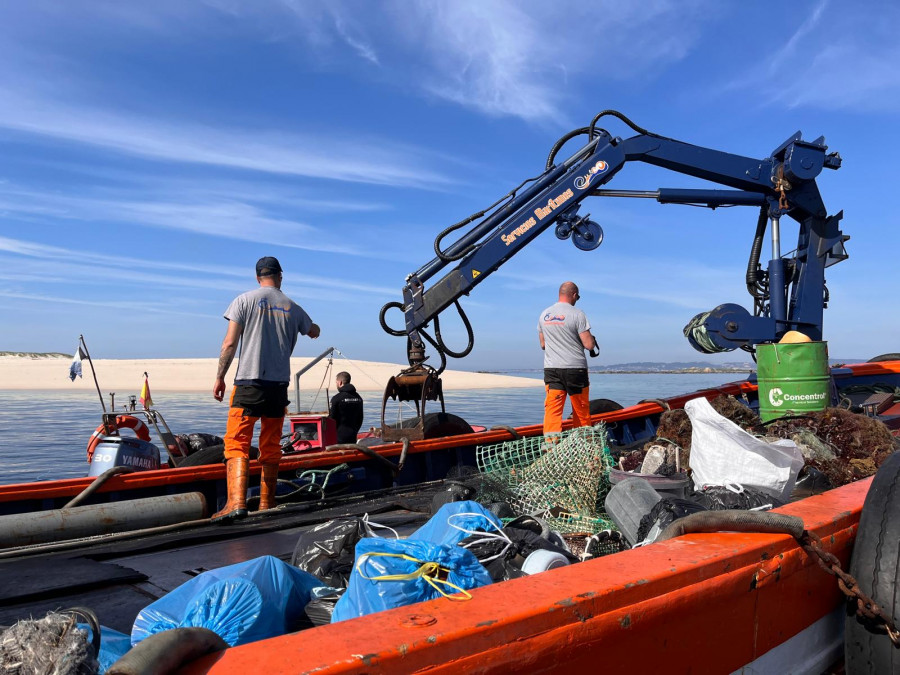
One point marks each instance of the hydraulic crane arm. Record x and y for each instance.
(783, 183)
(789, 295)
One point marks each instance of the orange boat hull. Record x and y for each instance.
(700, 603)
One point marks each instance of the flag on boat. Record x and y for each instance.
(146, 401)
(75, 368)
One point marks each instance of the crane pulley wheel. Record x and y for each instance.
(587, 235)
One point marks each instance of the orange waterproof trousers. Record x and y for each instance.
(553, 409)
(239, 433)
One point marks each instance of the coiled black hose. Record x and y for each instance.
(387, 329)
(469, 332)
(437, 342)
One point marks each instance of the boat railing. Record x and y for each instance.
(155, 418)
(326, 354)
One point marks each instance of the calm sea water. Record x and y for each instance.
(43, 435)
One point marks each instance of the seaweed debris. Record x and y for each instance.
(844, 446)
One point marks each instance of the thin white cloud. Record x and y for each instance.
(840, 57)
(504, 58)
(84, 265)
(129, 305)
(808, 25)
(361, 47)
(698, 285)
(501, 59)
(340, 157)
(220, 218)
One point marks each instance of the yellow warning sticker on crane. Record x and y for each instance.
(475, 274)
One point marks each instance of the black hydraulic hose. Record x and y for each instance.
(440, 351)
(167, 651)
(734, 521)
(98, 481)
(469, 332)
(387, 329)
(368, 452)
(508, 197)
(752, 279)
(616, 113)
(591, 132)
(468, 249)
(551, 158)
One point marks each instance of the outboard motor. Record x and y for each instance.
(124, 451)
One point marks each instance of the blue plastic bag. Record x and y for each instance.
(474, 517)
(113, 645)
(249, 601)
(392, 573)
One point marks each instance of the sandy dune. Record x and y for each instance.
(125, 376)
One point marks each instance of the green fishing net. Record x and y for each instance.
(564, 477)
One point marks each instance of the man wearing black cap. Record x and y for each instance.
(266, 322)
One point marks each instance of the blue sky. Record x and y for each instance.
(151, 152)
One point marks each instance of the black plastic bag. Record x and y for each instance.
(192, 443)
(810, 482)
(327, 550)
(319, 611)
(721, 498)
(452, 491)
(665, 512)
(509, 564)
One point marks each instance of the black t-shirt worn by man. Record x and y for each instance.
(347, 411)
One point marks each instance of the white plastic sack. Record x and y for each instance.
(723, 453)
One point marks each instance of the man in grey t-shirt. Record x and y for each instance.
(266, 322)
(564, 333)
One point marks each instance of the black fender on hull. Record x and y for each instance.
(875, 564)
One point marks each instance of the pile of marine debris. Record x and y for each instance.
(533, 505)
(843, 446)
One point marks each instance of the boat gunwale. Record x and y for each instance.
(603, 605)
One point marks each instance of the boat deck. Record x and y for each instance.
(117, 579)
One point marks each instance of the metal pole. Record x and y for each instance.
(776, 239)
(309, 365)
(93, 372)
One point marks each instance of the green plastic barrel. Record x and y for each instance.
(793, 379)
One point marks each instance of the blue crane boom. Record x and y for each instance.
(790, 294)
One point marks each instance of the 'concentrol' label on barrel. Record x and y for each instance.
(778, 398)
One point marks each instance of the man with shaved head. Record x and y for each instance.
(565, 332)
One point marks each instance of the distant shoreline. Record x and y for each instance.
(43, 372)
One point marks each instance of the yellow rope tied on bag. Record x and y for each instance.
(428, 571)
